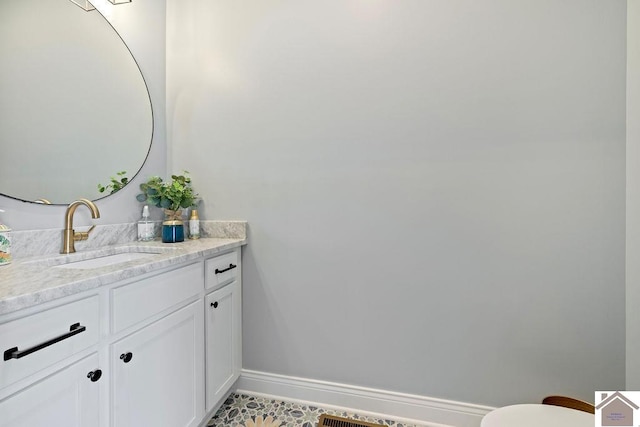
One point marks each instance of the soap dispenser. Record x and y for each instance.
(145, 226)
(194, 225)
(5, 244)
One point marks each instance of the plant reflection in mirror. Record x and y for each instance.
(117, 182)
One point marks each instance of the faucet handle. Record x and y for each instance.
(82, 235)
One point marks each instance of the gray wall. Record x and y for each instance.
(142, 25)
(633, 196)
(435, 189)
(438, 183)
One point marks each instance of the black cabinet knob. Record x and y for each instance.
(94, 375)
(126, 357)
(214, 304)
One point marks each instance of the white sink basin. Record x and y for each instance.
(102, 257)
(107, 260)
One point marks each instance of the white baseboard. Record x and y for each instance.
(410, 408)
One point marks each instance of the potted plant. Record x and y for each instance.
(173, 197)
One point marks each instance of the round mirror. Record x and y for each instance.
(74, 107)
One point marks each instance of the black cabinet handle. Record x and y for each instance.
(94, 375)
(14, 353)
(126, 357)
(214, 304)
(231, 267)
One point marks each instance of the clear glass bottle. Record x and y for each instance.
(194, 225)
(145, 226)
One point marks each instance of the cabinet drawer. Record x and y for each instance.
(222, 269)
(36, 342)
(137, 301)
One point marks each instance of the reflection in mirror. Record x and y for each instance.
(85, 4)
(74, 107)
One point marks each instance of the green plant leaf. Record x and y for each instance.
(173, 195)
(115, 184)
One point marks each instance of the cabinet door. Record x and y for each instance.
(67, 398)
(158, 372)
(224, 341)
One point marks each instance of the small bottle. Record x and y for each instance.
(5, 244)
(145, 226)
(194, 225)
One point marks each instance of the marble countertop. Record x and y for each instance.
(31, 281)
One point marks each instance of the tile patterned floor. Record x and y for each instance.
(240, 408)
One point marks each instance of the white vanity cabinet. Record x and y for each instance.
(224, 353)
(157, 372)
(162, 349)
(158, 369)
(223, 313)
(69, 397)
(43, 376)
